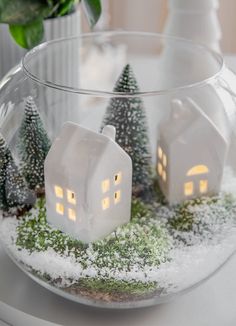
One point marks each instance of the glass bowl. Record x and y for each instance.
(117, 170)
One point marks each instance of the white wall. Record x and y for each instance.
(150, 15)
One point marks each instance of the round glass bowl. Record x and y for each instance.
(117, 176)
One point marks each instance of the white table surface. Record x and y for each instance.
(25, 303)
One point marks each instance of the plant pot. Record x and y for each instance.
(11, 53)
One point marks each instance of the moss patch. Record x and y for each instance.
(184, 219)
(113, 285)
(112, 266)
(140, 243)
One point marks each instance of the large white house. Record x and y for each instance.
(88, 181)
(191, 152)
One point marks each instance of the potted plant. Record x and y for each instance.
(25, 23)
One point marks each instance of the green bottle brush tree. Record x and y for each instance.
(128, 116)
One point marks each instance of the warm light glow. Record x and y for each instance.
(105, 185)
(203, 185)
(58, 191)
(188, 188)
(164, 160)
(198, 169)
(117, 178)
(60, 208)
(160, 152)
(71, 215)
(71, 197)
(105, 203)
(159, 168)
(117, 196)
(164, 176)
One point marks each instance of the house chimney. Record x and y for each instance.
(109, 131)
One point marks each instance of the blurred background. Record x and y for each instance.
(211, 22)
(150, 16)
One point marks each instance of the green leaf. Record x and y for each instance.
(29, 35)
(65, 7)
(92, 10)
(21, 12)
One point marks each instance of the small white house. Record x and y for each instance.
(191, 152)
(88, 181)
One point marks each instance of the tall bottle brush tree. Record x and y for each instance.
(33, 146)
(13, 189)
(128, 116)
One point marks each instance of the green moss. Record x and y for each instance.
(184, 218)
(117, 286)
(140, 209)
(141, 238)
(142, 242)
(35, 234)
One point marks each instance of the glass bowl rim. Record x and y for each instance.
(101, 93)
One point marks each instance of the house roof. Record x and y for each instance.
(185, 113)
(80, 148)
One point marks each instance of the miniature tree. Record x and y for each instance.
(128, 116)
(3, 160)
(13, 189)
(33, 146)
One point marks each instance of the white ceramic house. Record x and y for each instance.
(191, 152)
(88, 180)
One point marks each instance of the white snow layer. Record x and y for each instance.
(187, 266)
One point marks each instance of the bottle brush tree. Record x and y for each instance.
(128, 116)
(13, 189)
(33, 146)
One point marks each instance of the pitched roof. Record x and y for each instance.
(185, 113)
(79, 148)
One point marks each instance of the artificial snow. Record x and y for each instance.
(190, 260)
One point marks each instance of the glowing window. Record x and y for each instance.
(159, 168)
(203, 185)
(198, 169)
(71, 214)
(117, 197)
(60, 208)
(164, 160)
(71, 197)
(164, 176)
(188, 188)
(105, 185)
(117, 178)
(160, 152)
(105, 203)
(58, 191)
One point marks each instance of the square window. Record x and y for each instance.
(58, 191)
(160, 152)
(203, 185)
(117, 197)
(164, 160)
(71, 197)
(164, 176)
(105, 203)
(117, 178)
(71, 214)
(188, 188)
(159, 169)
(105, 185)
(60, 208)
